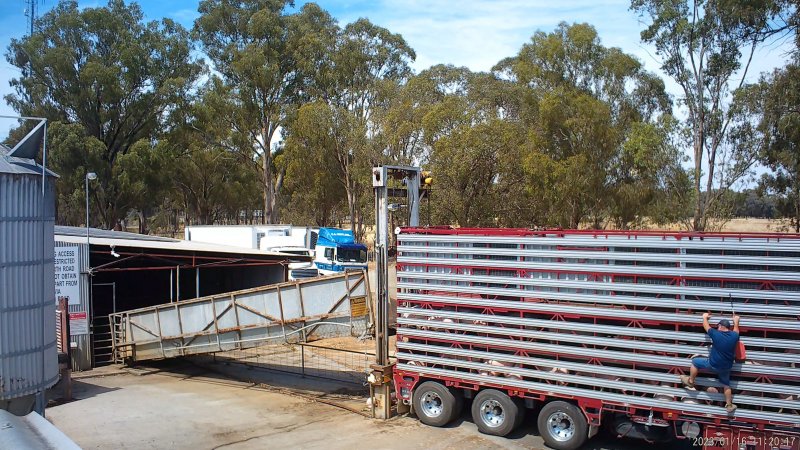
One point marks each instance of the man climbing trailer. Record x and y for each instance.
(720, 357)
(582, 329)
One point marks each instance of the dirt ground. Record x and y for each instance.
(178, 405)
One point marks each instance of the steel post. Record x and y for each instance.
(382, 370)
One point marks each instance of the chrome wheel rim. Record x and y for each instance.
(431, 404)
(492, 413)
(561, 426)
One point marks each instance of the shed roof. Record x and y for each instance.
(77, 235)
(23, 166)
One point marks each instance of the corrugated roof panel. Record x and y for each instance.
(10, 164)
(122, 239)
(110, 234)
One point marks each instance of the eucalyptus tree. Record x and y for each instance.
(368, 63)
(105, 79)
(267, 57)
(463, 127)
(315, 183)
(773, 108)
(209, 178)
(587, 109)
(707, 46)
(352, 86)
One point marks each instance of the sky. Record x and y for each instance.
(472, 33)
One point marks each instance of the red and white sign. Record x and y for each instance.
(78, 323)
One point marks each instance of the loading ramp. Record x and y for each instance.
(297, 311)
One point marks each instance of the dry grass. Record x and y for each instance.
(738, 225)
(759, 225)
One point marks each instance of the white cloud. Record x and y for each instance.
(184, 16)
(478, 34)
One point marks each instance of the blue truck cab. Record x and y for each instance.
(337, 251)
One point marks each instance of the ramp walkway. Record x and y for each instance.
(333, 306)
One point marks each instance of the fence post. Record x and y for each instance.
(302, 361)
(64, 348)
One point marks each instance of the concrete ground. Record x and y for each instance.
(181, 406)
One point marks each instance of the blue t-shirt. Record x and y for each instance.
(722, 349)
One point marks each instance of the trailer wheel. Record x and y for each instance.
(437, 405)
(496, 413)
(562, 426)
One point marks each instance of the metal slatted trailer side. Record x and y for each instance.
(605, 320)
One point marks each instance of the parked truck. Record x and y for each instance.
(332, 250)
(591, 329)
(337, 251)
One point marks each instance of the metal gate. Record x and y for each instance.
(288, 312)
(102, 348)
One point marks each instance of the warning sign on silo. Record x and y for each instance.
(67, 274)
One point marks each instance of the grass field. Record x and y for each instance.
(741, 225)
(760, 225)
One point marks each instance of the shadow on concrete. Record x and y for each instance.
(208, 369)
(80, 391)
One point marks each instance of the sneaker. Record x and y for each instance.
(687, 381)
(730, 407)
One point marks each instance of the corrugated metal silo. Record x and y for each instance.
(28, 358)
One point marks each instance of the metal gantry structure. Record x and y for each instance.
(608, 320)
(384, 180)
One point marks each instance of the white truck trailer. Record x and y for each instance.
(289, 239)
(584, 329)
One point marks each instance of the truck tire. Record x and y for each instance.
(437, 405)
(496, 413)
(563, 426)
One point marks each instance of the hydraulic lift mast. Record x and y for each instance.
(382, 177)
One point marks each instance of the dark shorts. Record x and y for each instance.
(724, 376)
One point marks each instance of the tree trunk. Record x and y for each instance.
(276, 188)
(266, 216)
(796, 219)
(351, 200)
(699, 209)
(351, 207)
(143, 222)
(575, 217)
(698, 118)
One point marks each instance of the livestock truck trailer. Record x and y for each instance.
(594, 328)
